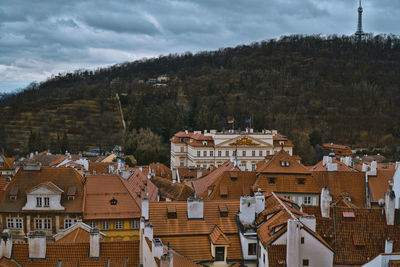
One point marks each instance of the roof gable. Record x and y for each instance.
(47, 187)
(243, 140)
(282, 162)
(217, 237)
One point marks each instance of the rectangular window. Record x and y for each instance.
(105, 225)
(306, 262)
(182, 149)
(227, 153)
(47, 224)
(253, 167)
(135, 224)
(252, 249)
(244, 153)
(10, 223)
(272, 180)
(260, 153)
(204, 153)
(92, 224)
(38, 223)
(18, 223)
(118, 225)
(38, 202)
(182, 164)
(211, 153)
(219, 254)
(301, 181)
(307, 200)
(219, 153)
(47, 202)
(67, 223)
(198, 153)
(253, 153)
(267, 152)
(71, 197)
(302, 240)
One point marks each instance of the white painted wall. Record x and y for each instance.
(382, 260)
(43, 191)
(313, 250)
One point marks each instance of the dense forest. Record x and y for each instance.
(313, 89)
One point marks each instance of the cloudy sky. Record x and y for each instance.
(39, 38)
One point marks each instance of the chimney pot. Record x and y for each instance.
(390, 206)
(37, 245)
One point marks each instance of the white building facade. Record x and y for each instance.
(212, 148)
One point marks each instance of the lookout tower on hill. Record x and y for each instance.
(359, 33)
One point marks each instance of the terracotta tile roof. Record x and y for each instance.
(339, 183)
(181, 261)
(286, 183)
(161, 170)
(340, 166)
(100, 190)
(101, 167)
(44, 159)
(26, 180)
(4, 262)
(186, 173)
(3, 182)
(217, 237)
(276, 255)
(180, 232)
(230, 185)
(201, 185)
(50, 185)
(368, 227)
(8, 163)
(76, 254)
(57, 161)
(274, 165)
(76, 236)
(139, 186)
(379, 184)
(167, 189)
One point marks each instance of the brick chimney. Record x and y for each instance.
(37, 245)
(390, 206)
(94, 249)
(5, 244)
(166, 260)
(293, 243)
(325, 202)
(195, 208)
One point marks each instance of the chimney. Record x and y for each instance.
(390, 207)
(148, 230)
(396, 187)
(247, 210)
(309, 221)
(195, 208)
(325, 202)
(37, 245)
(199, 173)
(260, 201)
(110, 168)
(157, 248)
(388, 245)
(325, 160)
(332, 167)
(145, 208)
(166, 260)
(5, 244)
(94, 249)
(364, 167)
(397, 164)
(177, 176)
(293, 243)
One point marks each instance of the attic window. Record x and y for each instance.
(113, 201)
(223, 191)
(182, 140)
(204, 143)
(348, 216)
(301, 181)
(234, 176)
(271, 180)
(171, 212)
(13, 193)
(285, 163)
(223, 210)
(71, 193)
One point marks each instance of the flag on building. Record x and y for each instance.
(231, 121)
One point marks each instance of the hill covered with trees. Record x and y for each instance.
(313, 89)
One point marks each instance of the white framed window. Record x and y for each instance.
(105, 225)
(18, 223)
(46, 223)
(38, 202)
(211, 153)
(92, 224)
(219, 153)
(38, 223)
(182, 149)
(253, 167)
(253, 153)
(135, 224)
(10, 223)
(260, 153)
(198, 153)
(204, 153)
(227, 153)
(244, 153)
(67, 223)
(47, 202)
(267, 152)
(118, 225)
(307, 200)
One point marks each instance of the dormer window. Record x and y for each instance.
(223, 210)
(285, 163)
(204, 143)
(13, 193)
(301, 181)
(171, 212)
(271, 180)
(113, 201)
(46, 202)
(182, 140)
(71, 193)
(38, 202)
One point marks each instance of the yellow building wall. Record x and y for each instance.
(124, 234)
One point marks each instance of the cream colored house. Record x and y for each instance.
(212, 148)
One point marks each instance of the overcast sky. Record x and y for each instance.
(39, 38)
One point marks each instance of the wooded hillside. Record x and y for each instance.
(332, 87)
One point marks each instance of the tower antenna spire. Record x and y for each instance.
(359, 33)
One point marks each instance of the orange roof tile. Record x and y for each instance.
(161, 170)
(277, 255)
(379, 184)
(368, 226)
(101, 167)
(8, 163)
(275, 165)
(100, 190)
(340, 166)
(217, 237)
(26, 180)
(167, 189)
(201, 185)
(50, 185)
